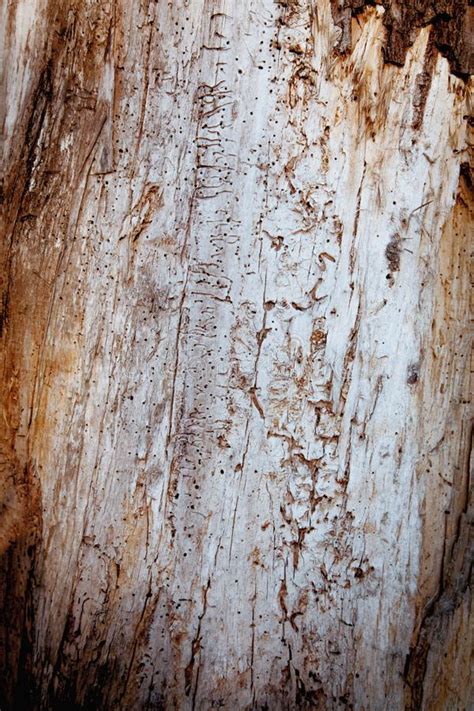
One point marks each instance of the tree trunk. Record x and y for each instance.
(235, 427)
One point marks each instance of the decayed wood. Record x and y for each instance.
(452, 28)
(235, 355)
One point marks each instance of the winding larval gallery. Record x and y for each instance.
(236, 351)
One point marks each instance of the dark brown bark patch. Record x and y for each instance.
(452, 21)
(423, 84)
(392, 253)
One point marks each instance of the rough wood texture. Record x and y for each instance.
(235, 349)
(452, 28)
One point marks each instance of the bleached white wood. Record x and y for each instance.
(246, 398)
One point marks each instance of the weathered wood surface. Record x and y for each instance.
(235, 373)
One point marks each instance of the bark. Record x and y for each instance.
(235, 355)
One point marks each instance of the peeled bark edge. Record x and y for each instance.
(452, 22)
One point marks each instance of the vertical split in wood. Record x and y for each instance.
(235, 357)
